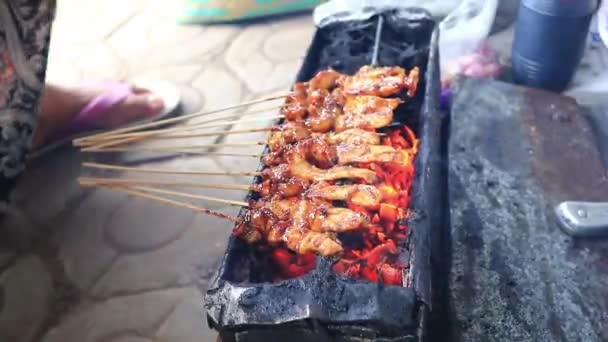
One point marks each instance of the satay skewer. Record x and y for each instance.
(188, 195)
(100, 166)
(179, 151)
(120, 142)
(180, 118)
(131, 185)
(135, 136)
(127, 181)
(390, 80)
(187, 147)
(184, 126)
(365, 111)
(143, 194)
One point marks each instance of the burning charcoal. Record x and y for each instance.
(342, 296)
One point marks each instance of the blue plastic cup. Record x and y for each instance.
(550, 37)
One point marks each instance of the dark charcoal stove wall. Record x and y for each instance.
(244, 305)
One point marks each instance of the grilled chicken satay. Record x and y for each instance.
(326, 79)
(293, 178)
(366, 112)
(368, 80)
(303, 242)
(356, 112)
(307, 95)
(321, 97)
(281, 141)
(316, 215)
(324, 104)
(381, 81)
(366, 196)
(304, 225)
(291, 132)
(305, 173)
(322, 153)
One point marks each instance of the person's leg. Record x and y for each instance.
(59, 106)
(24, 42)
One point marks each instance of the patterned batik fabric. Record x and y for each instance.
(25, 27)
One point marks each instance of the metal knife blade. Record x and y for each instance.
(581, 219)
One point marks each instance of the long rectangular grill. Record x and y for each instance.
(244, 303)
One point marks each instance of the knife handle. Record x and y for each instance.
(583, 218)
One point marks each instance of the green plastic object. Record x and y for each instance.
(222, 11)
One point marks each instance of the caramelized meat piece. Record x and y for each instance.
(367, 112)
(338, 96)
(378, 81)
(322, 118)
(317, 216)
(355, 136)
(305, 170)
(303, 242)
(304, 225)
(360, 153)
(366, 196)
(343, 220)
(300, 167)
(288, 133)
(316, 151)
(321, 153)
(411, 82)
(326, 79)
(316, 98)
(288, 187)
(296, 103)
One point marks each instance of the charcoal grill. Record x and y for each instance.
(244, 305)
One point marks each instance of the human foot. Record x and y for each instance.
(102, 105)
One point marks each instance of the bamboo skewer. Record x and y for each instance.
(239, 115)
(142, 194)
(176, 149)
(179, 118)
(112, 143)
(124, 181)
(86, 141)
(155, 134)
(191, 196)
(166, 171)
(176, 136)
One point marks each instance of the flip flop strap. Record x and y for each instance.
(90, 116)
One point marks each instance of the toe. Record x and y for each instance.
(135, 107)
(139, 90)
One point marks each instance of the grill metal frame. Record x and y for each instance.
(323, 306)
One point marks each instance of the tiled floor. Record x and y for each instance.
(103, 267)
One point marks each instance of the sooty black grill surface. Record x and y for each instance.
(244, 305)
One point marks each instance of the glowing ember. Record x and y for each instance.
(373, 253)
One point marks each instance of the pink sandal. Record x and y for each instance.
(87, 120)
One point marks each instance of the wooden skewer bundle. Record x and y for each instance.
(180, 119)
(119, 139)
(187, 127)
